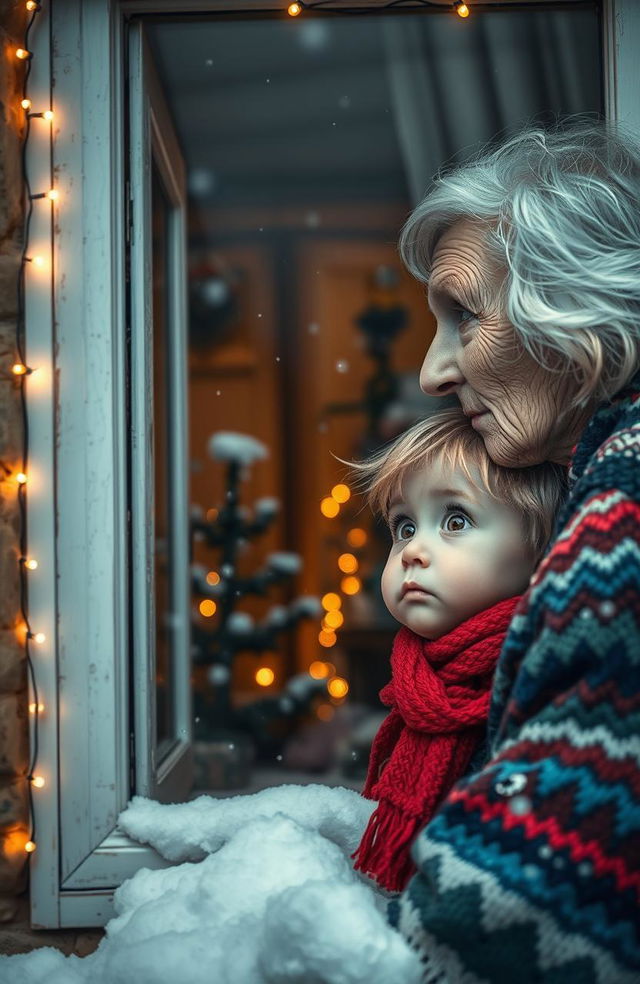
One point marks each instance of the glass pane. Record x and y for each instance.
(162, 401)
(305, 152)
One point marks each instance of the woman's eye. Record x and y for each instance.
(403, 529)
(456, 522)
(464, 317)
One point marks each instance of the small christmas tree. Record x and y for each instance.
(232, 528)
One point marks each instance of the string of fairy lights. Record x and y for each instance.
(21, 372)
(337, 7)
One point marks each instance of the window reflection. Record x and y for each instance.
(308, 141)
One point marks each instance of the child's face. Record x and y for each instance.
(456, 551)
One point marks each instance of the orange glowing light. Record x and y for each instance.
(331, 601)
(38, 782)
(31, 564)
(21, 478)
(341, 493)
(338, 687)
(294, 9)
(329, 507)
(265, 676)
(52, 195)
(22, 54)
(26, 104)
(356, 537)
(461, 9)
(347, 563)
(29, 847)
(327, 639)
(207, 607)
(19, 369)
(47, 115)
(333, 620)
(350, 585)
(212, 515)
(213, 577)
(318, 670)
(36, 707)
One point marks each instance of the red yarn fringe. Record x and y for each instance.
(383, 852)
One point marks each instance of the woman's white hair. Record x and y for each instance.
(562, 209)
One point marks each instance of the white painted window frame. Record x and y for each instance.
(77, 498)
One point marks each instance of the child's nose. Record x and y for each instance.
(416, 551)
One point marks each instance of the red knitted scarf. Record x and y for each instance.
(439, 694)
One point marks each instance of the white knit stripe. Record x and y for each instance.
(578, 737)
(501, 908)
(597, 503)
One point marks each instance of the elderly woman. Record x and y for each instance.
(530, 871)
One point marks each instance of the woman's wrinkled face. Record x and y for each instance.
(517, 407)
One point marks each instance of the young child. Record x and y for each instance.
(466, 536)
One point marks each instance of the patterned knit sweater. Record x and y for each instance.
(530, 871)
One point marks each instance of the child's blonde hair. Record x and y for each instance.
(536, 492)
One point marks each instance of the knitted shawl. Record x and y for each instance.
(439, 695)
(530, 869)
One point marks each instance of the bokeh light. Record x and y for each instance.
(331, 601)
(338, 687)
(333, 619)
(207, 607)
(350, 585)
(347, 563)
(329, 507)
(265, 676)
(341, 493)
(356, 537)
(327, 638)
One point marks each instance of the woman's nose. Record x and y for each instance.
(440, 373)
(416, 551)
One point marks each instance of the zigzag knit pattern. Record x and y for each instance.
(530, 871)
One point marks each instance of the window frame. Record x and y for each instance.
(77, 509)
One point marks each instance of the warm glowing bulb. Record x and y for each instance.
(333, 620)
(31, 564)
(356, 537)
(347, 563)
(29, 847)
(213, 577)
(21, 478)
(36, 707)
(329, 508)
(338, 687)
(327, 638)
(208, 607)
(350, 585)
(294, 9)
(265, 676)
(341, 493)
(461, 9)
(33, 5)
(22, 54)
(19, 369)
(331, 601)
(48, 114)
(318, 670)
(38, 261)
(26, 104)
(52, 194)
(39, 637)
(38, 782)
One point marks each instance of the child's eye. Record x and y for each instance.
(402, 528)
(456, 522)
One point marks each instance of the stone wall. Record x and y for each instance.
(14, 815)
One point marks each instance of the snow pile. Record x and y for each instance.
(278, 900)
